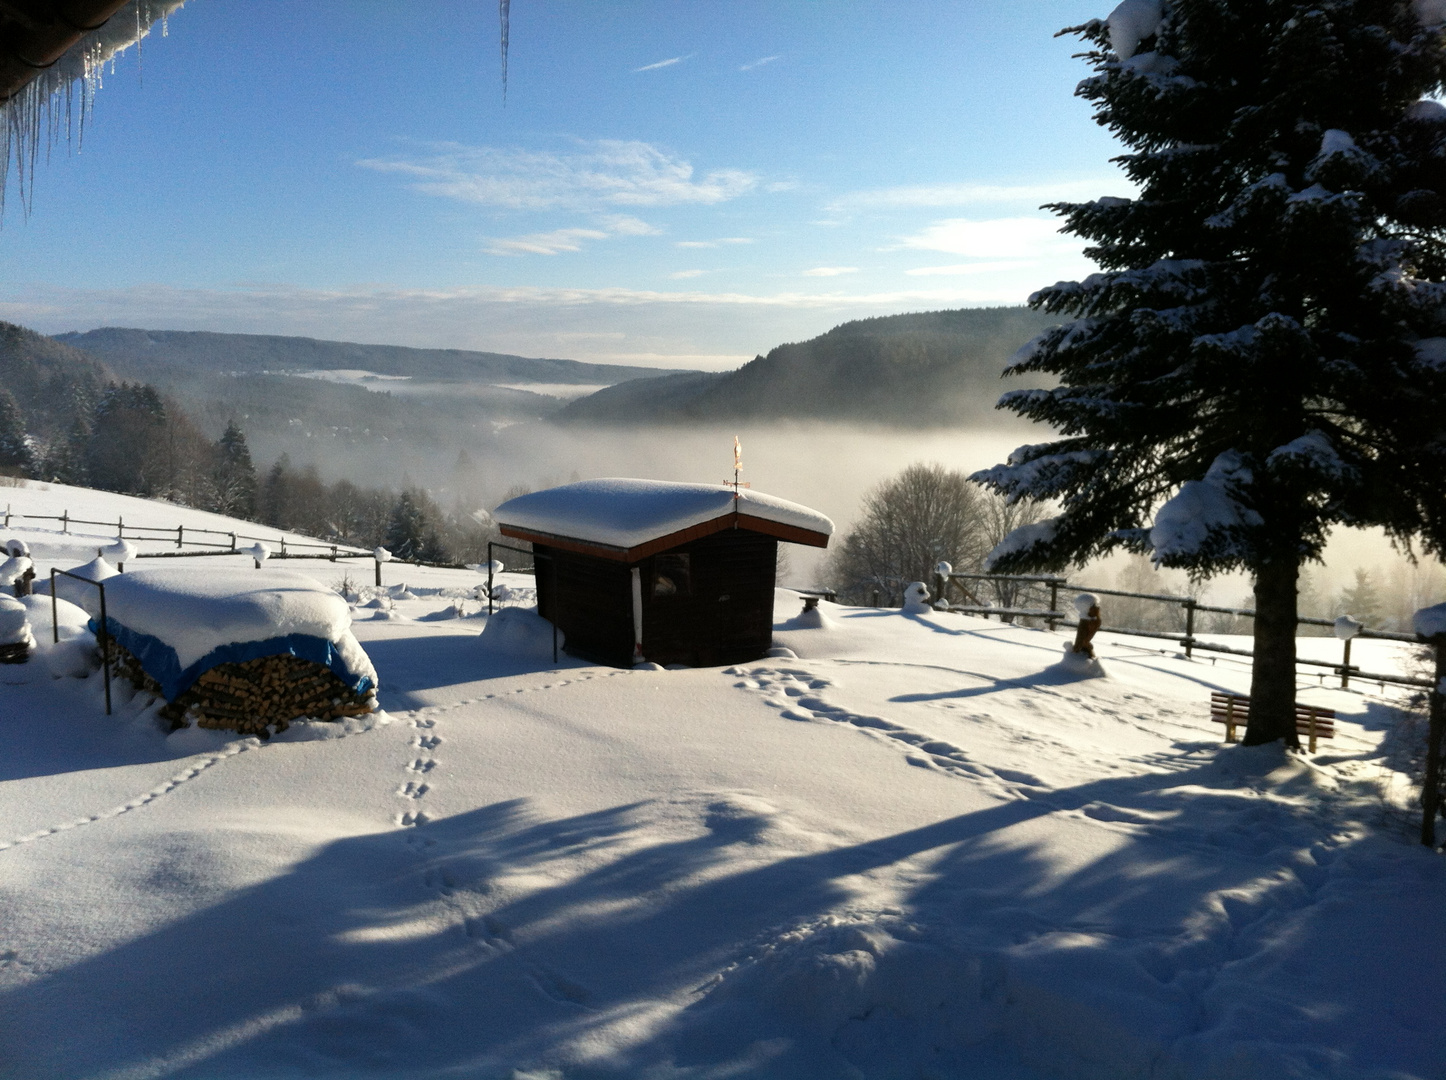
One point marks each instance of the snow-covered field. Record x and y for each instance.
(916, 848)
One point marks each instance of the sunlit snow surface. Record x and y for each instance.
(919, 847)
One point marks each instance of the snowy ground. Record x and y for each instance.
(919, 848)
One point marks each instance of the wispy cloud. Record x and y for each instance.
(759, 62)
(562, 240)
(680, 275)
(624, 225)
(962, 269)
(664, 63)
(715, 243)
(1010, 237)
(595, 176)
(544, 243)
(940, 195)
(830, 271)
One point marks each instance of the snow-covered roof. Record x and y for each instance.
(196, 611)
(619, 517)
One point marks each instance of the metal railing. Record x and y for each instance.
(535, 556)
(102, 629)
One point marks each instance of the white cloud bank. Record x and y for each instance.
(598, 175)
(666, 329)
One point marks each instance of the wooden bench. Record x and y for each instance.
(1310, 720)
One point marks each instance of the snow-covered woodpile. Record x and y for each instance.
(234, 649)
(253, 697)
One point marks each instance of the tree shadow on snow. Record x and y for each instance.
(486, 941)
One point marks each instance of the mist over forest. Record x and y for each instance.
(336, 430)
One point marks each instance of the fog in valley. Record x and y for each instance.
(830, 467)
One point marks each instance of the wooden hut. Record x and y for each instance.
(633, 570)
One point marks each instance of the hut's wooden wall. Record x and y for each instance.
(726, 618)
(591, 601)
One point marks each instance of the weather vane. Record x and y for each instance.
(737, 468)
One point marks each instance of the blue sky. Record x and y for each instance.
(668, 182)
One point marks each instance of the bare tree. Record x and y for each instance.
(910, 523)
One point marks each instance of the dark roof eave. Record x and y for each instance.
(732, 520)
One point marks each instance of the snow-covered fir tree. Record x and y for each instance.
(16, 456)
(1261, 355)
(233, 477)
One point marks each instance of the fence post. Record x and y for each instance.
(333, 553)
(233, 541)
(1189, 627)
(64, 522)
(1053, 601)
(54, 611)
(104, 645)
(489, 577)
(120, 527)
(7, 515)
(180, 535)
(1431, 785)
(1346, 666)
(283, 547)
(876, 598)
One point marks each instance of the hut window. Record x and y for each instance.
(672, 576)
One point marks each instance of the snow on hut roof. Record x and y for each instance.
(631, 519)
(196, 611)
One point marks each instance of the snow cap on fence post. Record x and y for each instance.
(259, 552)
(1347, 628)
(119, 553)
(381, 555)
(1083, 602)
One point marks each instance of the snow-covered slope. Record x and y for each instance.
(917, 847)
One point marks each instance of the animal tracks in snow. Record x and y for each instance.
(797, 696)
(190, 773)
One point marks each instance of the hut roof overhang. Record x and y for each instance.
(628, 520)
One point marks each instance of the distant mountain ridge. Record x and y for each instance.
(930, 368)
(155, 354)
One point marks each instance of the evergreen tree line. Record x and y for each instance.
(410, 523)
(127, 437)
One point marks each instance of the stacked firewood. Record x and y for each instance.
(254, 697)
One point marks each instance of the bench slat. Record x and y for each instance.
(1232, 710)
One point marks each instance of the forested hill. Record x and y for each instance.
(46, 377)
(158, 354)
(931, 368)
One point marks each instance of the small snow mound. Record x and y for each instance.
(1131, 23)
(1347, 627)
(14, 568)
(381, 554)
(520, 632)
(70, 658)
(782, 652)
(1429, 12)
(16, 546)
(1426, 110)
(1079, 665)
(1430, 622)
(1083, 602)
(916, 599)
(14, 623)
(809, 619)
(260, 552)
(648, 665)
(120, 553)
